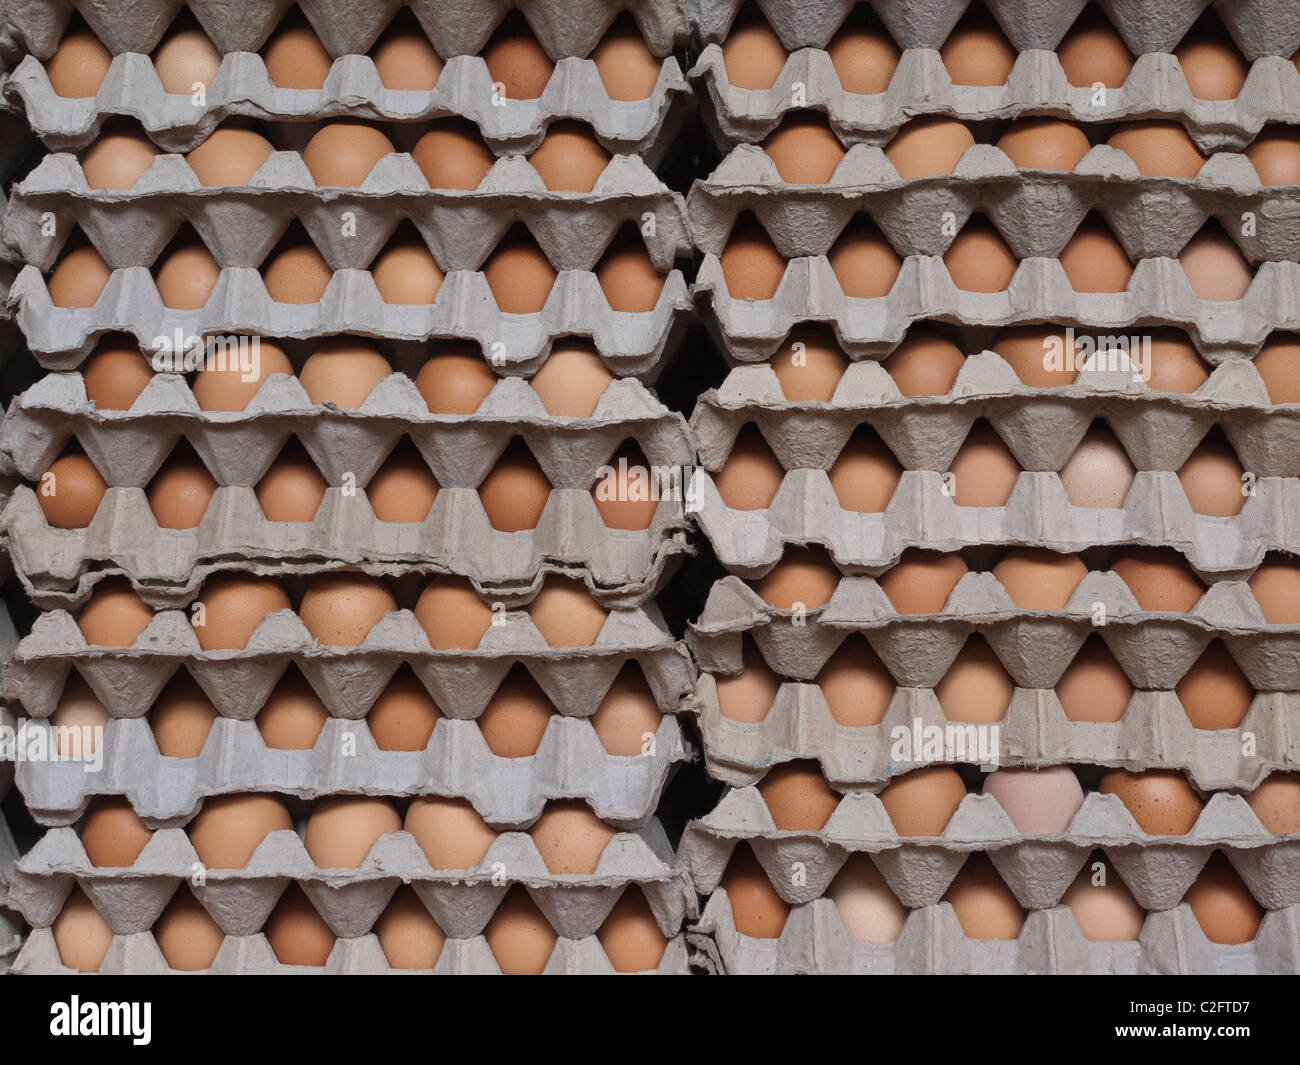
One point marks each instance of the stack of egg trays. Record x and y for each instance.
(1267, 34)
(240, 226)
(1037, 212)
(11, 923)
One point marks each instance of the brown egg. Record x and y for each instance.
(70, 492)
(81, 935)
(293, 488)
(1041, 143)
(449, 831)
(293, 716)
(452, 155)
(516, 718)
(869, 909)
(186, 277)
(626, 66)
(977, 52)
(863, 261)
(343, 828)
(115, 375)
(976, 687)
(186, 934)
(747, 696)
(570, 158)
(924, 365)
(78, 278)
(1215, 267)
(230, 828)
(515, 491)
(1222, 905)
(1038, 579)
(186, 61)
(452, 614)
(809, 365)
(406, 62)
(1278, 363)
(863, 54)
(298, 935)
(571, 838)
(922, 801)
(78, 720)
(928, 145)
(1160, 800)
(295, 57)
(1042, 356)
(751, 266)
(857, 686)
(1105, 912)
(113, 833)
(628, 718)
(751, 476)
(627, 490)
(798, 797)
(408, 935)
(1276, 587)
(1039, 801)
(403, 489)
(804, 149)
(519, 936)
(1099, 473)
(404, 715)
(985, 906)
(630, 935)
(405, 272)
(225, 388)
(757, 910)
(1175, 365)
(628, 277)
(1093, 686)
(572, 379)
(234, 605)
(114, 615)
(78, 66)
(343, 371)
(984, 472)
(1212, 478)
(978, 260)
(865, 473)
(1158, 148)
(1213, 68)
(1159, 578)
(516, 61)
(519, 274)
(804, 579)
(1093, 52)
(117, 157)
(1276, 803)
(339, 609)
(752, 53)
(455, 380)
(182, 718)
(921, 581)
(1275, 155)
(1215, 693)
(297, 273)
(181, 490)
(342, 153)
(1095, 261)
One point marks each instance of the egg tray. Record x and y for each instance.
(138, 955)
(1037, 85)
(353, 89)
(633, 343)
(241, 224)
(1036, 211)
(932, 942)
(11, 940)
(350, 900)
(1158, 870)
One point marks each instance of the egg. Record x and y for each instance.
(342, 153)
(343, 371)
(343, 829)
(977, 52)
(78, 719)
(1276, 587)
(229, 828)
(1094, 261)
(628, 717)
(339, 609)
(182, 718)
(519, 274)
(181, 490)
(403, 488)
(1105, 912)
(856, 685)
(186, 61)
(809, 364)
(569, 158)
(516, 718)
(922, 801)
(983, 472)
(1215, 267)
(628, 277)
(1038, 579)
(1094, 53)
(516, 61)
(751, 266)
(1159, 578)
(1276, 803)
(1222, 905)
(570, 838)
(78, 66)
(81, 936)
(752, 53)
(297, 934)
(627, 68)
(978, 260)
(452, 614)
(519, 936)
(804, 579)
(863, 54)
(78, 278)
(293, 488)
(976, 687)
(404, 716)
(406, 61)
(630, 935)
(863, 261)
(985, 906)
(186, 277)
(1174, 364)
(1275, 155)
(449, 831)
(452, 155)
(515, 491)
(1213, 68)
(572, 379)
(295, 57)
(1099, 473)
(804, 149)
(406, 273)
(627, 490)
(1041, 143)
(1158, 148)
(921, 581)
(293, 716)
(115, 375)
(1160, 800)
(117, 157)
(928, 145)
(1093, 686)
(70, 491)
(865, 474)
(1213, 478)
(186, 934)
(798, 797)
(870, 911)
(408, 935)
(113, 833)
(456, 379)
(297, 273)
(1215, 693)
(114, 615)
(219, 387)
(234, 605)
(747, 696)
(1040, 802)
(924, 365)
(751, 475)
(1278, 363)
(1041, 356)
(756, 908)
